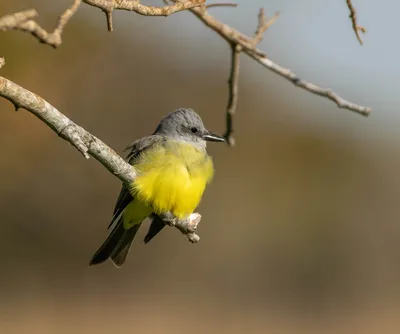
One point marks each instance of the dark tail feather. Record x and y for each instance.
(106, 249)
(156, 226)
(111, 246)
(121, 251)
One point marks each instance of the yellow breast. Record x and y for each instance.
(172, 177)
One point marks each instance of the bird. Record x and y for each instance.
(172, 169)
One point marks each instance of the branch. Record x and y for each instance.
(263, 25)
(82, 140)
(233, 36)
(12, 21)
(24, 21)
(233, 93)
(213, 5)
(353, 17)
(312, 88)
(107, 6)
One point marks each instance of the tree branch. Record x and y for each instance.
(12, 21)
(236, 48)
(214, 5)
(82, 140)
(107, 6)
(233, 83)
(263, 25)
(24, 21)
(232, 36)
(353, 17)
(312, 88)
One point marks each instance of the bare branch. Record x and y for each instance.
(235, 37)
(107, 6)
(82, 140)
(233, 93)
(353, 17)
(263, 25)
(65, 17)
(312, 88)
(11, 21)
(24, 21)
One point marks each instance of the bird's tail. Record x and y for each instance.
(116, 246)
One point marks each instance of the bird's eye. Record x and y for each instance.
(194, 130)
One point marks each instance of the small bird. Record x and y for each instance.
(173, 169)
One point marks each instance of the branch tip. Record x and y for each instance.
(263, 25)
(353, 16)
(109, 20)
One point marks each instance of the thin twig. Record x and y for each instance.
(65, 17)
(353, 17)
(233, 83)
(213, 5)
(109, 6)
(24, 21)
(310, 87)
(263, 25)
(82, 140)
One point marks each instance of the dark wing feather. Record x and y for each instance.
(142, 144)
(156, 226)
(121, 250)
(123, 200)
(135, 149)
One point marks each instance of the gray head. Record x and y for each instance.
(185, 124)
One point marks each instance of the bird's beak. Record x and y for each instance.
(212, 137)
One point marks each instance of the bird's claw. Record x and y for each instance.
(171, 222)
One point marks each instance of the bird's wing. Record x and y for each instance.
(135, 149)
(156, 226)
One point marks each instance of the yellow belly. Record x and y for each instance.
(172, 178)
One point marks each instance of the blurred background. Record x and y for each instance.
(301, 226)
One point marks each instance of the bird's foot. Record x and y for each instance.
(171, 222)
(168, 219)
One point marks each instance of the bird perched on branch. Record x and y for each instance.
(173, 169)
